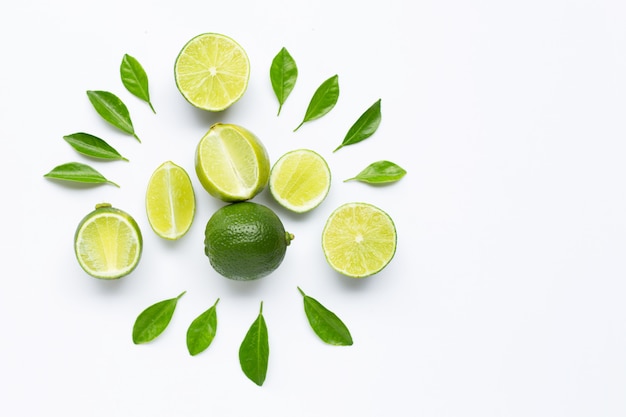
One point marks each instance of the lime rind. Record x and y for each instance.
(97, 240)
(170, 201)
(359, 239)
(208, 79)
(300, 180)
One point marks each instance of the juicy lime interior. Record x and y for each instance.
(232, 163)
(108, 243)
(300, 180)
(170, 201)
(359, 239)
(212, 71)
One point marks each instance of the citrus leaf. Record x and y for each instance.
(364, 127)
(202, 331)
(93, 146)
(325, 323)
(283, 75)
(323, 100)
(78, 172)
(113, 110)
(254, 350)
(380, 172)
(152, 321)
(135, 79)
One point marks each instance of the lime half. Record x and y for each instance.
(359, 239)
(232, 163)
(108, 243)
(212, 71)
(300, 180)
(170, 201)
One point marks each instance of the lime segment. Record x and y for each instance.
(232, 163)
(170, 201)
(212, 71)
(300, 180)
(359, 239)
(108, 243)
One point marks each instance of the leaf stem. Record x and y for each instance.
(301, 123)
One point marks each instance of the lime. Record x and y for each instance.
(359, 239)
(212, 71)
(108, 243)
(300, 180)
(245, 241)
(232, 163)
(170, 201)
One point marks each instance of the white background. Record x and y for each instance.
(506, 294)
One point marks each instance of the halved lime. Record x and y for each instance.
(359, 239)
(170, 201)
(232, 163)
(108, 243)
(300, 180)
(212, 71)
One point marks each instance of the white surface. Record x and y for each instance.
(506, 295)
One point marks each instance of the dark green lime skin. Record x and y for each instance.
(245, 241)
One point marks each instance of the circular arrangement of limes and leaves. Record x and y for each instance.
(244, 240)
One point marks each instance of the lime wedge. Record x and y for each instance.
(232, 163)
(300, 180)
(108, 243)
(170, 201)
(359, 239)
(212, 71)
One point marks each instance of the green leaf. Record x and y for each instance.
(283, 75)
(364, 127)
(202, 330)
(325, 323)
(380, 172)
(323, 100)
(113, 110)
(152, 321)
(254, 350)
(92, 146)
(135, 79)
(77, 172)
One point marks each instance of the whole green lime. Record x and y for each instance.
(245, 241)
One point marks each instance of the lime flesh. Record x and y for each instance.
(108, 243)
(300, 180)
(212, 71)
(359, 239)
(170, 201)
(232, 164)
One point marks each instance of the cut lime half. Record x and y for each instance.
(300, 180)
(108, 243)
(359, 239)
(212, 71)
